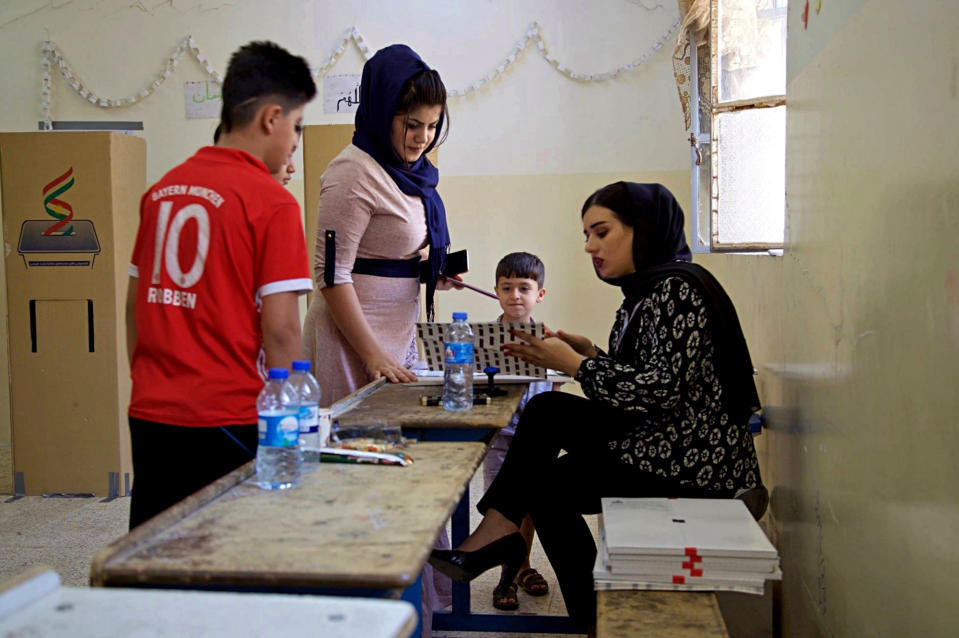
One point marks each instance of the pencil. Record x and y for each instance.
(456, 282)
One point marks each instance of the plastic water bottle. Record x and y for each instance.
(458, 365)
(278, 456)
(308, 392)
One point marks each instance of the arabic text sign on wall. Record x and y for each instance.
(341, 93)
(203, 100)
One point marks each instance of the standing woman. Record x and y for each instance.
(379, 213)
(666, 410)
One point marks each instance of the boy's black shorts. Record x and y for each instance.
(171, 462)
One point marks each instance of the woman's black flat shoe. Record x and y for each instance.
(510, 550)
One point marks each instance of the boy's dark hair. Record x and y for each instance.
(523, 266)
(216, 133)
(261, 71)
(425, 89)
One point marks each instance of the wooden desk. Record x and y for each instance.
(399, 404)
(673, 614)
(347, 527)
(36, 605)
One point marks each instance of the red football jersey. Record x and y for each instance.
(216, 234)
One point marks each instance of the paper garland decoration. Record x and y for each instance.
(52, 56)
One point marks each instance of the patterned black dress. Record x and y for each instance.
(663, 374)
(655, 422)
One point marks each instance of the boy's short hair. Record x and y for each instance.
(259, 71)
(522, 265)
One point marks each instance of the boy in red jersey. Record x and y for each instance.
(218, 265)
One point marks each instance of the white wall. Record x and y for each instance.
(532, 120)
(855, 330)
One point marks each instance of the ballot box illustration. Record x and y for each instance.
(59, 239)
(38, 248)
(70, 215)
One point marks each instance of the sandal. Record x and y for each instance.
(505, 597)
(532, 582)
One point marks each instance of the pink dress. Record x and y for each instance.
(371, 219)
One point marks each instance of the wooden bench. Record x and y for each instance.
(676, 614)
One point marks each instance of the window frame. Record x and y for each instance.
(699, 138)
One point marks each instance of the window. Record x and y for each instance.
(738, 125)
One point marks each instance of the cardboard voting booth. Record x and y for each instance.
(70, 215)
(321, 143)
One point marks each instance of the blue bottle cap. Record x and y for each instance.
(301, 365)
(459, 316)
(279, 373)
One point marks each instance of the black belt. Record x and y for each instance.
(397, 268)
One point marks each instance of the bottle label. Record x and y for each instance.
(278, 429)
(309, 419)
(456, 353)
(325, 420)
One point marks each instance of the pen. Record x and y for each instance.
(456, 282)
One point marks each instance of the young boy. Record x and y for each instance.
(217, 267)
(519, 286)
(285, 174)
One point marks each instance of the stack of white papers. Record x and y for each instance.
(682, 544)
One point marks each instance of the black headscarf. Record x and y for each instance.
(383, 78)
(660, 251)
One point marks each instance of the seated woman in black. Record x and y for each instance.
(666, 412)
